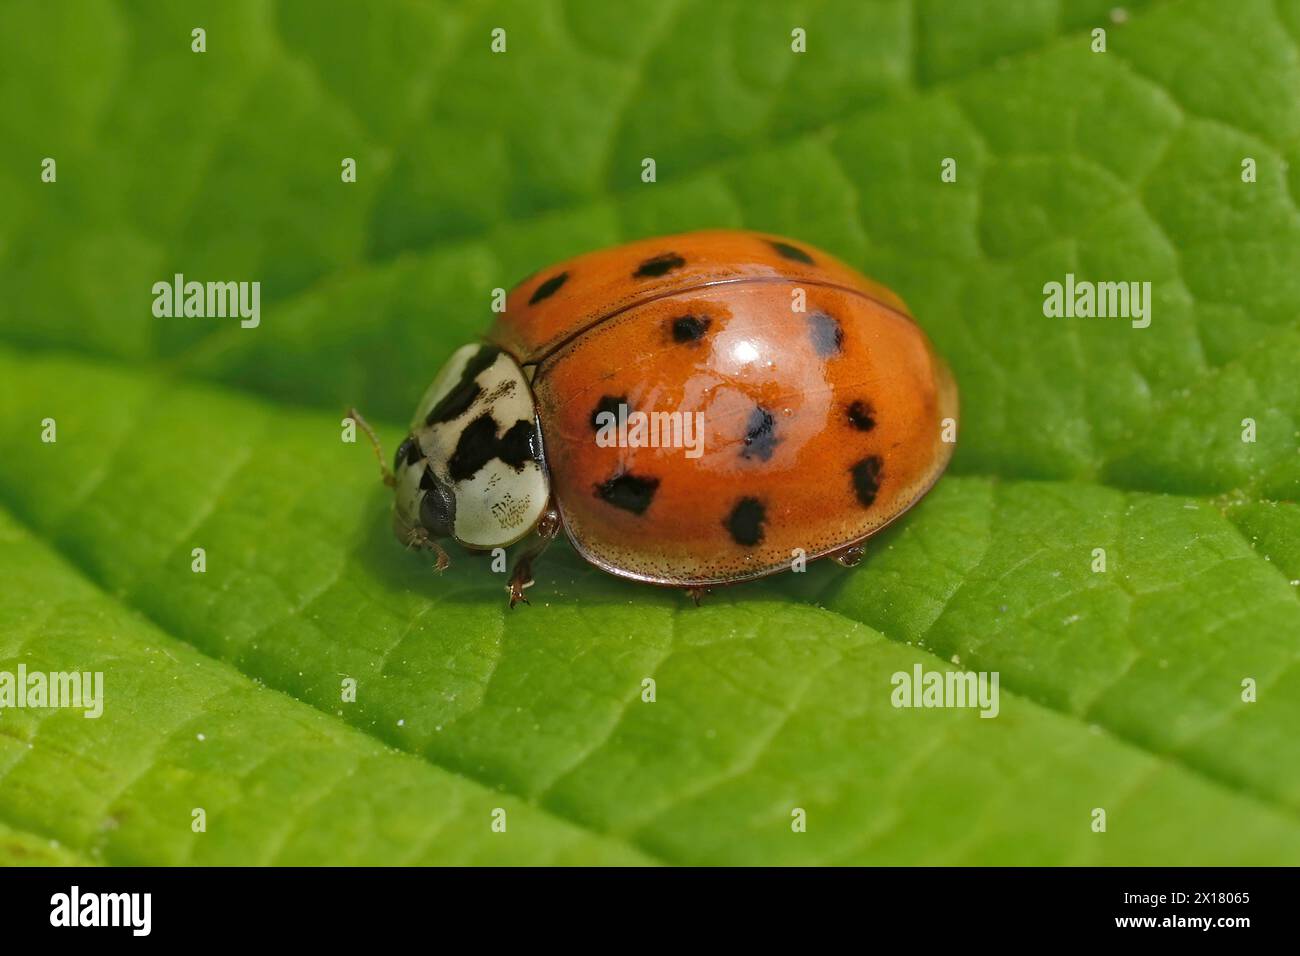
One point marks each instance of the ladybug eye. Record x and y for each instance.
(437, 507)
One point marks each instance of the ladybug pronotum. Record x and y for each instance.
(820, 402)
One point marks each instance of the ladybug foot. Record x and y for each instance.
(697, 594)
(521, 575)
(417, 539)
(849, 557)
(516, 589)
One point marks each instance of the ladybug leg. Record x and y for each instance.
(521, 575)
(849, 557)
(697, 594)
(418, 539)
(442, 562)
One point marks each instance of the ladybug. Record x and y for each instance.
(807, 405)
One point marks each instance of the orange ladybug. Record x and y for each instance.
(692, 410)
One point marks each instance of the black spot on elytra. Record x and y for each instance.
(548, 288)
(862, 416)
(827, 334)
(689, 328)
(792, 252)
(659, 265)
(760, 435)
(609, 404)
(479, 444)
(745, 523)
(866, 479)
(456, 402)
(630, 492)
(408, 452)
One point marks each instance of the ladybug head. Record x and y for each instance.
(425, 505)
(472, 467)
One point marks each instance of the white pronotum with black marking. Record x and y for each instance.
(472, 467)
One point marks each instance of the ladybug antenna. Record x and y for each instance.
(384, 470)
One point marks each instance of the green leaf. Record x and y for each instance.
(1120, 690)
